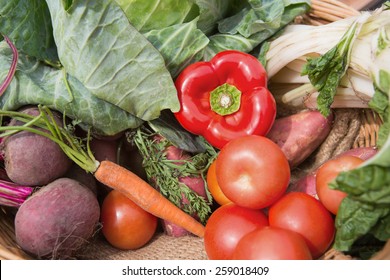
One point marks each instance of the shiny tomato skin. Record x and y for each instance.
(226, 226)
(252, 171)
(271, 243)
(307, 216)
(214, 187)
(327, 172)
(125, 225)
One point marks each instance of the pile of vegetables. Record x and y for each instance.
(348, 59)
(164, 116)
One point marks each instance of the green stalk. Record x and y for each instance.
(69, 143)
(325, 72)
(164, 173)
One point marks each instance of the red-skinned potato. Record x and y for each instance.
(195, 183)
(306, 184)
(299, 135)
(363, 153)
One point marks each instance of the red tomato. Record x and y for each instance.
(327, 173)
(252, 171)
(226, 226)
(306, 215)
(125, 224)
(213, 186)
(271, 243)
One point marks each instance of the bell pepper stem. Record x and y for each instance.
(225, 99)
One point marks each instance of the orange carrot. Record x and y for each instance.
(145, 196)
(108, 173)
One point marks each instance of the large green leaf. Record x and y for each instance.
(255, 31)
(260, 15)
(212, 11)
(180, 45)
(369, 184)
(98, 46)
(354, 220)
(27, 23)
(158, 14)
(36, 83)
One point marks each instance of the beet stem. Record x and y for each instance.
(12, 194)
(12, 69)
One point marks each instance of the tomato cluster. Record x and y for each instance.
(257, 218)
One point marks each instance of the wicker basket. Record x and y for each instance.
(353, 128)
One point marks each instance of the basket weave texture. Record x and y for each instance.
(352, 128)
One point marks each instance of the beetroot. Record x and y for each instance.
(57, 220)
(31, 159)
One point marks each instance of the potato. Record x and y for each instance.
(364, 153)
(57, 220)
(306, 184)
(31, 159)
(299, 135)
(195, 183)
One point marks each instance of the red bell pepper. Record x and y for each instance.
(225, 98)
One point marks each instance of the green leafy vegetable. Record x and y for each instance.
(354, 220)
(212, 11)
(367, 207)
(255, 23)
(98, 46)
(259, 15)
(36, 83)
(110, 64)
(28, 25)
(157, 14)
(325, 72)
(186, 38)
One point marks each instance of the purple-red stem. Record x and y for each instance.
(12, 69)
(12, 194)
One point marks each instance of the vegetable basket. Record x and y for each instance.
(357, 127)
